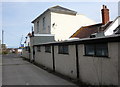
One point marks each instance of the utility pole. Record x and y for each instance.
(2, 36)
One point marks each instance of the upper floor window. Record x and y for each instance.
(63, 49)
(44, 26)
(96, 50)
(48, 48)
(38, 26)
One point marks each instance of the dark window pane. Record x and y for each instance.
(101, 50)
(89, 50)
(48, 49)
(63, 49)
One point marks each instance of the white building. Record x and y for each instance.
(113, 26)
(60, 21)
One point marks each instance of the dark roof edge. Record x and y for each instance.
(115, 38)
(62, 12)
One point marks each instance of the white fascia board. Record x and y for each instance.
(44, 35)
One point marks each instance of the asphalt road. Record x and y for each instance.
(16, 71)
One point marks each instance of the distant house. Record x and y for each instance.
(27, 40)
(60, 21)
(101, 29)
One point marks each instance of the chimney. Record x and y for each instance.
(105, 14)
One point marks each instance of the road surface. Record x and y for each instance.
(17, 71)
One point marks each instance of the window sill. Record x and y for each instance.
(64, 53)
(97, 56)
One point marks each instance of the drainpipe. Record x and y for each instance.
(77, 61)
(53, 58)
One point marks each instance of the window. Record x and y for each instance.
(48, 49)
(96, 50)
(101, 50)
(38, 48)
(44, 23)
(63, 49)
(89, 50)
(37, 26)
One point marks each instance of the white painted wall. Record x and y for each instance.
(47, 16)
(44, 58)
(93, 70)
(99, 70)
(112, 27)
(66, 63)
(27, 41)
(67, 25)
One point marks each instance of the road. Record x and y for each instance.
(17, 71)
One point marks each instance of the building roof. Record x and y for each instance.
(104, 39)
(58, 9)
(63, 10)
(86, 31)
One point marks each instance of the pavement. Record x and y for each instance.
(16, 71)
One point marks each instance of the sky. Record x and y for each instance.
(16, 17)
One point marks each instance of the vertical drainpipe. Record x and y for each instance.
(77, 61)
(53, 58)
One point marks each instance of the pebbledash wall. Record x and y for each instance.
(92, 60)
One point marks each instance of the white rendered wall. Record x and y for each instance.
(93, 70)
(44, 58)
(27, 41)
(66, 63)
(99, 70)
(47, 16)
(66, 25)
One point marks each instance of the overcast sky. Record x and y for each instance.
(17, 16)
